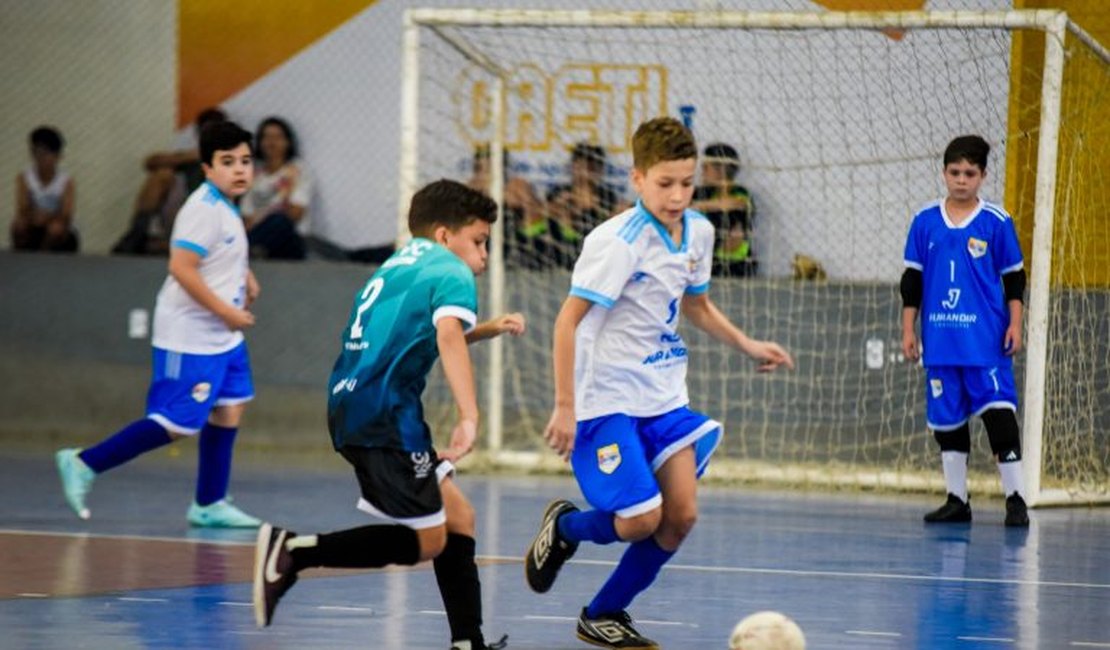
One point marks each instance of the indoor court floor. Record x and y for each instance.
(854, 570)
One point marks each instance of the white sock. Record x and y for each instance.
(301, 541)
(1012, 478)
(955, 472)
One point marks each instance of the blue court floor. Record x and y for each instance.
(855, 571)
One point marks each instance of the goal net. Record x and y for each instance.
(840, 121)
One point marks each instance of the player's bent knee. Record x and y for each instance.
(1003, 434)
(675, 528)
(461, 518)
(634, 529)
(958, 439)
(432, 542)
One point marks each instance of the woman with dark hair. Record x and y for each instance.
(276, 208)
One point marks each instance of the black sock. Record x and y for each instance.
(457, 575)
(367, 547)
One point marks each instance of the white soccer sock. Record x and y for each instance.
(301, 541)
(955, 472)
(1012, 478)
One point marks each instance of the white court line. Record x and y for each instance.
(670, 567)
(536, 617)
(872, 633)
(1090, 644)
(987, 639)
(232, 603)
(33, 595)
(837, 574)
(344, 608)
(133, 599)
(433, 612)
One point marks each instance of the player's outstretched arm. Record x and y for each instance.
(455, 356)
(185, 268)
(561, 428)
(705, 316)
(506, 324)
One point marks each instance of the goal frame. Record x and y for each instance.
(1053, 23)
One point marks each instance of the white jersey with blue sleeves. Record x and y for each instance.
(629, 356)
(964, 314)
(210, 226)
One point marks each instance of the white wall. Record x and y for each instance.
(101, 71)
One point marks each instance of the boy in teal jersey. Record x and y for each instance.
(421, 304)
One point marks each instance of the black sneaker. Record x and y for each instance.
(273, 571)
(613, 631)
(953, 510)
(1017, 514)
(481, 645)
(548, 551)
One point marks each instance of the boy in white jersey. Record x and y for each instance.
(621, 409)
(419, 306)
(201, 379)
(965, 274)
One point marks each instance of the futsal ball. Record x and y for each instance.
(767, 631)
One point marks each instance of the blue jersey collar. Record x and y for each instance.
(222, 197)
(662, 230)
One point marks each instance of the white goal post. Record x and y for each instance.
(474, 75)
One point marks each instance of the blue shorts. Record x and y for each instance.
(616, 456)
(185, 387)
(953, 394)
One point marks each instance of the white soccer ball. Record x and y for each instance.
(767, 631)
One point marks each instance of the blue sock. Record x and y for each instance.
(588, 526)
(133, 440)
(634, 573)
(214, 466)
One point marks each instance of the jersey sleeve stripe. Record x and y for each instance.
(697, 290)
(191, 246)
(592, 296)
(914, 265)
(1013, 267)
(469, 318)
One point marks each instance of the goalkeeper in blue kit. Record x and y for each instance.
(965, 275)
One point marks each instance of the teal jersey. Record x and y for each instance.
(389, 346)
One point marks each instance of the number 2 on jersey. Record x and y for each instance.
(369, 295)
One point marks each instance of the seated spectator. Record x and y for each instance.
(276, 208)
(583, 203)
(171, 176)
(44, 197)
(730, 208)
(527, 241)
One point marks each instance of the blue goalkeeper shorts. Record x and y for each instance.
(956, 393)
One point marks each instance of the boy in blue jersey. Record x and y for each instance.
(202, 376)
(418, 306)
(621, 411)
(964, 273)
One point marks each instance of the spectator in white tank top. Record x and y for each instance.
(44, 199)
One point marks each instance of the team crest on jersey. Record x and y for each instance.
(937, 387)
(201, 392)
(692, 264)
(977, 247)
(609, 458)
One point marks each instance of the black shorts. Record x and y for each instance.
(400, 486)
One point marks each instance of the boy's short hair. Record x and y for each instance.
(593, 154)
(448, 203)
(720, 153)
(48, 138)
(662, 139)
(971, 148)
(207, 116)
(221, 136)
